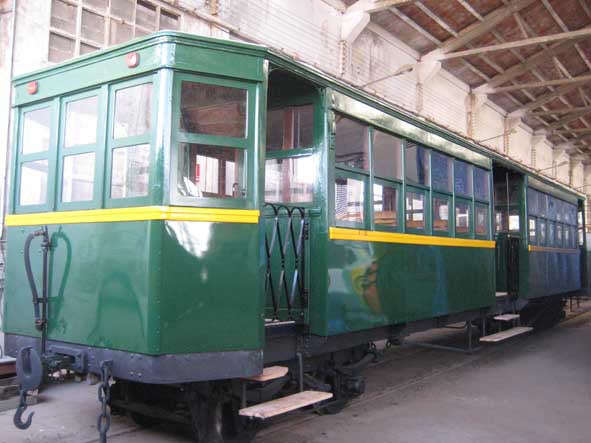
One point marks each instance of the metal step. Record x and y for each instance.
(504, 335)
(270, 373)
(285, 404)
(507, 317)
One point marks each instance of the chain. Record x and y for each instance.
(22, 406)
(104, 396)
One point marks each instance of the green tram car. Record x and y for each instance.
(213, 225)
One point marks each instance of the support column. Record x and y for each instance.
(474, 103)
(509, 125)
(352, 24)
(536, 141)
(425, 70)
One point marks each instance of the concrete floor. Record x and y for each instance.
(535, 388)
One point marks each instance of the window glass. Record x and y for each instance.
(559, 210)
(385, 205)
(78, 177)
(441, 172)
(463, 178)
(481, 184)
(551, 208)
(386, 155)
(462, 218)
(567, 237)
(133, 111)
(213, 110)
(211, 171)
(532, 231)
(532, 201)
(551, 234)
(417, 164)
(81, 122)
(33, 183)
(542, 232)
(558, 238)
(415, 210)
(542, 205)
(290, 180)
(290, 128)
(441, 214)
(481, 220)
(36, 131)
(351, 143)
(130, 171)
(349, 198)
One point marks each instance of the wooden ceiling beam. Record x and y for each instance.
(570, 35)
(560, 111)
(564, 120)
(540, 84)
(572, 131)
(545, 98)
(371, 6)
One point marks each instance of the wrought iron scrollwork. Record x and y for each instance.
(285, 246)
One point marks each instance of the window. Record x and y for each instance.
(36, 131)
(441, 172)
(481, 220)
(558, 238)
(351, 144)
(133, 111)
(385, 205)
(78, 177)
(386, 155)
(130, 171)
(290, 180)
(211, 171)
(551, 208)
(462, 218)
(81, 121)
(417, 164)
(551, 234)
(349, 201)
(542, 205)
(33, 182)
(481, 184)
(541, 232)
(463, 178)
(213, 110)
(441, 214)
(81, 26)
(567, 236)
(415, 210)
(532, 231)
(290, 128)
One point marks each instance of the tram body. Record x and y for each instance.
(151, 165)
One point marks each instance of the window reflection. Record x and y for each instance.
(213, 110)
(36, 131)
(440, 214)
(290, 180)
(81, 122)
(78, 177)
(462, 218)
(33, 182)
(417, 164)
(133, 111)
(441, 172)
(385, 205)
(415, 210)
(211, 171)
(130, 171)
(349, 199)
(481, 220)
(387, 155)
(351, 144)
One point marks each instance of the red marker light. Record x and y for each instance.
(132, 59)
(32, 88)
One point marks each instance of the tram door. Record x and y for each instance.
(508, 186)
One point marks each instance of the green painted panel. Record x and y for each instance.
(551, 273)
(211, 298)
(376, 284)
(100, 291)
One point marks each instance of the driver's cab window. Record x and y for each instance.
(291, 166)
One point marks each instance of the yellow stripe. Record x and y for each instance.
(533, 248)
(408, 239)
(140, 213)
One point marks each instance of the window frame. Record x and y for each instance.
(49, 155)
(426, 210)
(470, 203)
(450, 210)
(247, 143)
(365, 180)
(98, 148)
(308, 151)
(486, 207)
(149, 138)
(391, 184)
